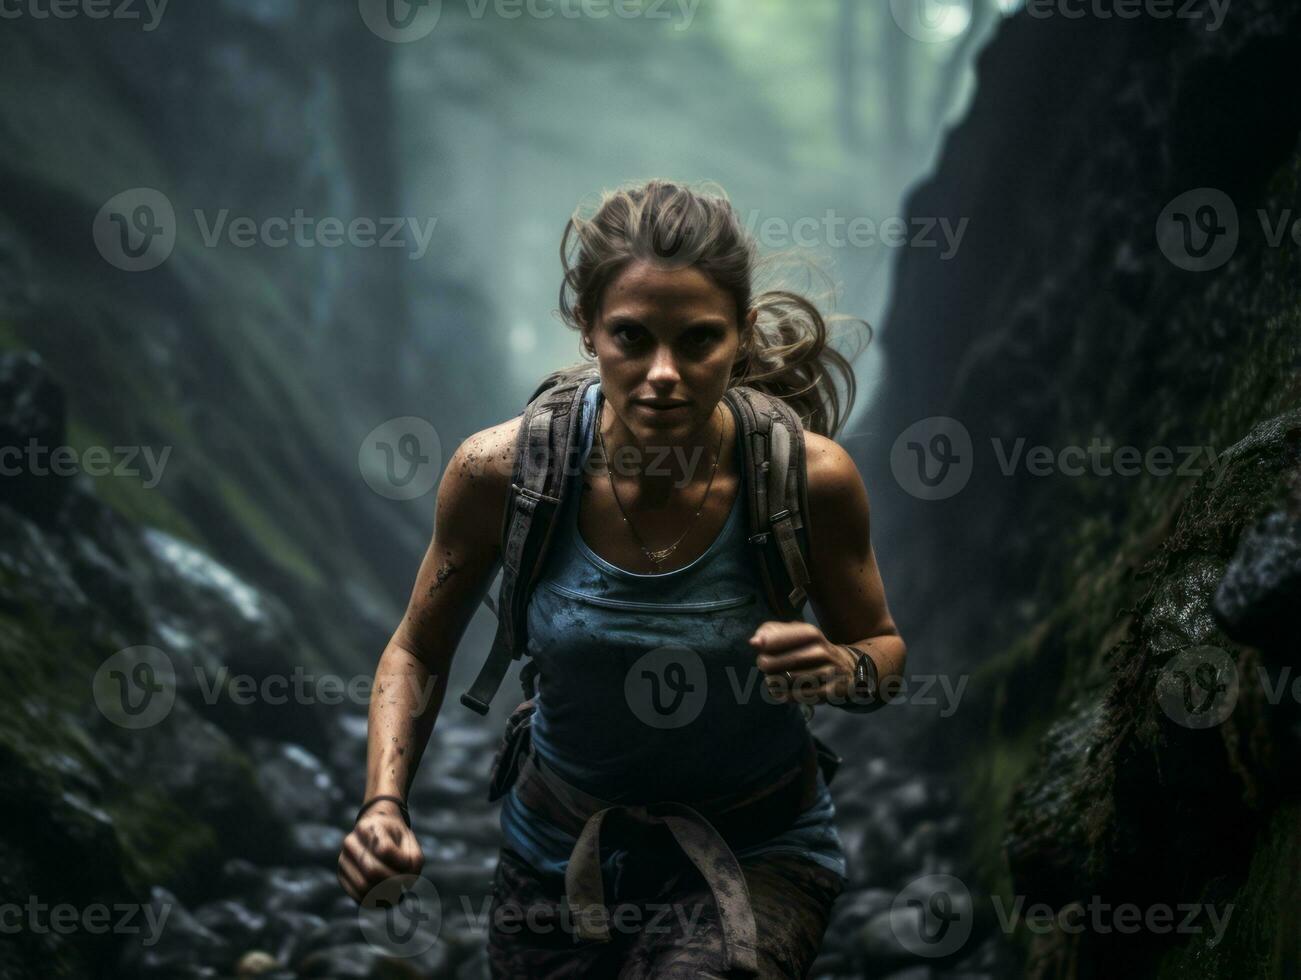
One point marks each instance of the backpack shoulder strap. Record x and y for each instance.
(547, 438)
(773, 440)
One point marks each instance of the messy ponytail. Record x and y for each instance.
(787, 355)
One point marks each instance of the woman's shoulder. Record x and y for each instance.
(486, 459)
(835, 487)
(826, 460)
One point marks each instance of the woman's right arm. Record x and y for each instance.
(411, 678)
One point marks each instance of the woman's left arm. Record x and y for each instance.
(846, 593)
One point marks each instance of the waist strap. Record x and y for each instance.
(698, 830)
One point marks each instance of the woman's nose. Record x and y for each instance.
(663, 369)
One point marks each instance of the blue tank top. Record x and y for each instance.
(648, 688)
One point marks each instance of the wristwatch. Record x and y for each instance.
(864, 688)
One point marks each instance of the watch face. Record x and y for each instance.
(863, 675)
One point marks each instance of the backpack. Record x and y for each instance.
(772, 439)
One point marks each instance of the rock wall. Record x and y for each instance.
(259, 555)
(1123, 738)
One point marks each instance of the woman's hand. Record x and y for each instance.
(819, 671)
(380, 846)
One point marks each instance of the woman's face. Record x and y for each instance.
(665, 340)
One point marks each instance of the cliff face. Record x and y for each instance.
(1125, 737)
(208, 526)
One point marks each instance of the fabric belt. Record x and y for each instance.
(701, 830)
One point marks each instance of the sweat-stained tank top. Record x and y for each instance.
(648, 688)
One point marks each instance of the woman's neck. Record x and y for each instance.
(659, 471)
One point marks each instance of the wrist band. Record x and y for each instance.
(863, 664)
(401, 804)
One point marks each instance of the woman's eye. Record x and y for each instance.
(627, 334)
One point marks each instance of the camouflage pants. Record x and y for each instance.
(663, 923)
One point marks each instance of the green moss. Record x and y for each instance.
(279, 547)
(1263, 934)
(146, 506)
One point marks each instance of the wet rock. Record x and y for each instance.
(174, 943)
(1257, 600)
(356, 961)
(256, 964)
(296, 783)
(287, 932)
(32, 420)
(315, 843)
(233, 921)
(1047, 849)
(299, 889)
(853, 909)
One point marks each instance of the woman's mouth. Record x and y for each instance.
(662, 409)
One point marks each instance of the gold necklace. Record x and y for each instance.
(658, 556)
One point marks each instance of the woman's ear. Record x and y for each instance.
(747, 334)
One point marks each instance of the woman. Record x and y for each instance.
(717, 853)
